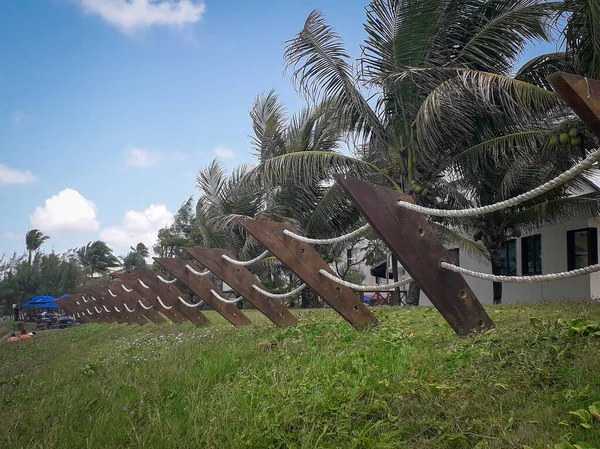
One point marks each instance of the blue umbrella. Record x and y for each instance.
(42, 302)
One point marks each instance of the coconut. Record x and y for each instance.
(553, 140)
(564, 138)
(573, 132)
(424, 192)
(418, 189)
(576, 141)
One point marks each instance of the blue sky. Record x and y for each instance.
(109, 107)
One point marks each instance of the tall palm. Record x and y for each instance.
(140, 249)
(97, 256)
(34, 239)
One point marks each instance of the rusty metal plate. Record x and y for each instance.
(169, 294)
(202, 286)
(108, 302)
(117, 303)
(241, 280)
(149, 297)
(582, 95)
(132, 300)
(99, 302)
(412, 240)
(303, 260)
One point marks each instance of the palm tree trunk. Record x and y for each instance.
(497, 270)
(29, 260)
(414, 294)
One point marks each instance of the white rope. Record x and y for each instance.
(88, 311)
(227, 301)
(111, 293)
(97, 311)
(475, 211)
(245, 263)
(84, 300)
(108, 310)
(126, 289)
(142, 282)
(341, 238)
(522, 279)
(164, 281)
(366, 288)
(163, 304)
(197, 273)
(142, 304)
(78, 303)
(278, 295)
(116, 309)
(128, 309)
(184, 302)
(93, 298)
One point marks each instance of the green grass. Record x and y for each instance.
(409, 382)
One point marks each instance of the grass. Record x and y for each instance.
(409, 382)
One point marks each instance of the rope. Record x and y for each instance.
(475, 211)
(197, 273)
(184, 302)
(128, 309)
(126, 289)
(163, 304)
(108, 310)
(142, 282)
(93, 298)
(341, 238)
(88, 311)
(111, 293)
(227, 301)
(278, 295)
(247, 262)
(84, 300)
(164, 281)
(97, 311)
(78, 303)
(366, 288)
(116, 310)
(142, 304)
(522, 279)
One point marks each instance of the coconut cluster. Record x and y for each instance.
(572, 138)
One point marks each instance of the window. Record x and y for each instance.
(508, 258)
(531, 249)
(582, 248)
(455, 253)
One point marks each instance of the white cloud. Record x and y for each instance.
(140, 157)
(18, 118)
(130, 16)
(138, 226)
(13, 176)
(223, 152)
(68, 210)
(13, 236)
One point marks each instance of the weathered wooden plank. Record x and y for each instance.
(150, 297)
(132, 300)
(169, 294)
(412, 240)
(241, 280)
(303, 260)
(118, 306)
(202, 286)
(71, 306)
(100, 301)
(582, 95)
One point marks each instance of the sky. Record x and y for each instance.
(108, 108)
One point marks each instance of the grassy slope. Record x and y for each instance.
(407, 383)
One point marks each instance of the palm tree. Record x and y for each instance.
(417, 55)
(34, 239)
(140, 249)
(97, 256)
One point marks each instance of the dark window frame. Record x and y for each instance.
(592, 247)
(504, 271)
(537, 261)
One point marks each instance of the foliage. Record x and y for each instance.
(97, 257)
(408, 382)
(34, 239)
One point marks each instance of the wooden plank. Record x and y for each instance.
(92, 304)
(169, 294)
(106, 301)
(303, 260)
(72, 308)
(202, 286)
(241, 280)
(79, 305)
(132, 300)
(412, 240)
(582, 95)
(100, 301)
(149, 297)
(134, 317)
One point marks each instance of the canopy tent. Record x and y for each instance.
(42, 302)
